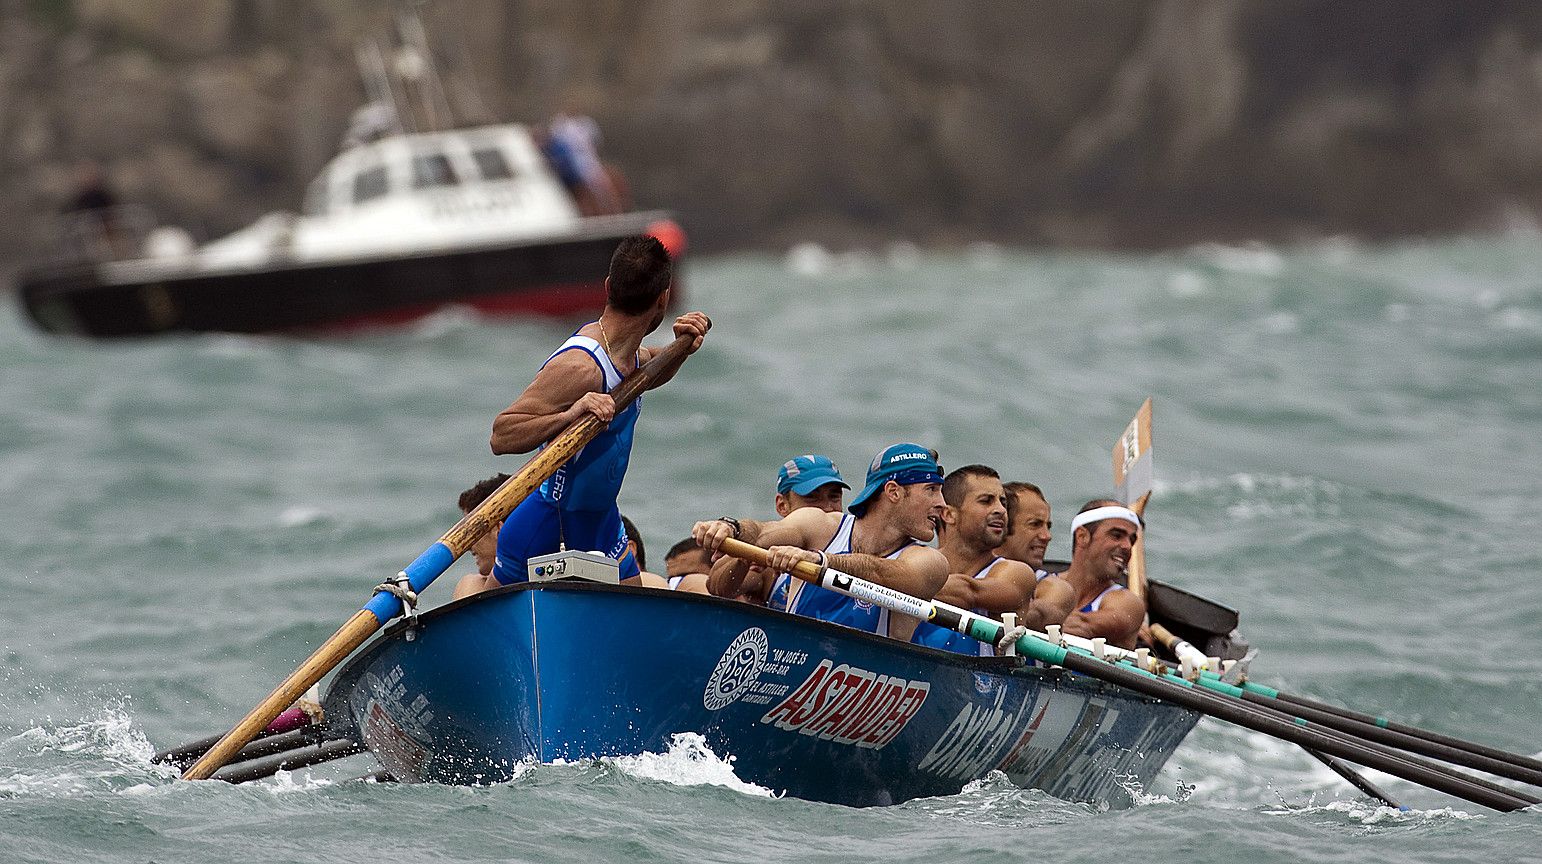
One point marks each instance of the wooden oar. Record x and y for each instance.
(1134, 471)
(1134, 477)
(384, 606)
(1218, 700)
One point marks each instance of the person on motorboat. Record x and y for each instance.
(879, 540)
(974, 524)
(576, 507)
(1103, 536)
(485, 549)
(1027, 540)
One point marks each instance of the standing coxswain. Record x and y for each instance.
(576, 507)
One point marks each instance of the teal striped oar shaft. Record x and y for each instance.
(1213, 701)
(1526, 763)
(1400, 740)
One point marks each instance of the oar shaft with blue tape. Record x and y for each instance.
(434, 560)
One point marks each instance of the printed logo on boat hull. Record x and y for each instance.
(737, 670)
(850, 705)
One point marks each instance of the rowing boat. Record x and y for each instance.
(575, 670)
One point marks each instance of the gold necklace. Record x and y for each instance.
(605, 339)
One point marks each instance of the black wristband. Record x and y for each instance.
(734, 524)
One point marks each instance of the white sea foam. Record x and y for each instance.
(92, 756)
(688, 762)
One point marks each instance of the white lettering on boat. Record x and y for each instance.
(972, 741)
(394, 731)
(850, 705)
(737, 670)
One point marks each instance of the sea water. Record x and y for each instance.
(1348, 449)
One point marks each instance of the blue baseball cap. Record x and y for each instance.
(804, 474)
(904, 464)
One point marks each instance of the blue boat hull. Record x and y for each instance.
(576, 670)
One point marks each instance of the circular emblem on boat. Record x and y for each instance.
(736, 670)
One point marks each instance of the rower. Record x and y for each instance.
(634, 547)
(485, 549)
(879, 540)
(576, 507)
(1102, 537)
(686, 566)
(1027, 540)
(809, 480)
(974, 524)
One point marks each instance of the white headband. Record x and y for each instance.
(1113, 511)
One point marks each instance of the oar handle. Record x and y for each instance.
(434, 560)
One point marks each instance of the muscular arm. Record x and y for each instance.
(694, 323)
(549, 405)
(919, 571)
(1008, 587)
(1053, 600)
(803, 528)
(1118, 619)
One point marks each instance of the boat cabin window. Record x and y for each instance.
(492, 164)
(370, 183)
(431, 168)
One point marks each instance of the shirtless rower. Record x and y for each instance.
(879, 540)
(1102, 537)
(576, 507)
(1027, 540)
(974, 523)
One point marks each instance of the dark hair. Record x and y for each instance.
(1014, 489)
(639, 272)
(953, 484)
(635, 536)
(1093, 528)
(684, 546)
(470, 498)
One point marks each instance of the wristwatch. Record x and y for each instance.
(734, 524)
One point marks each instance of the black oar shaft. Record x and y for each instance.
(1525, 763)
(1356, 779)
(1400, 740)
(1289, 713)
(256, 769)
(1274, 724)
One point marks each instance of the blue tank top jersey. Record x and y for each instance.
(1097, 602)
(591, 480)
(777, 599)
(933, 636)
(825, 605)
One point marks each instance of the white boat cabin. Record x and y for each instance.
(402, 194)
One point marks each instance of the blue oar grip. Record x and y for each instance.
(420, 573)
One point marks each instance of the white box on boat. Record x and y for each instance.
(571, 564)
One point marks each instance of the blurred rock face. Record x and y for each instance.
(1085, 122)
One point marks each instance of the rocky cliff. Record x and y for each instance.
(1087, 122)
